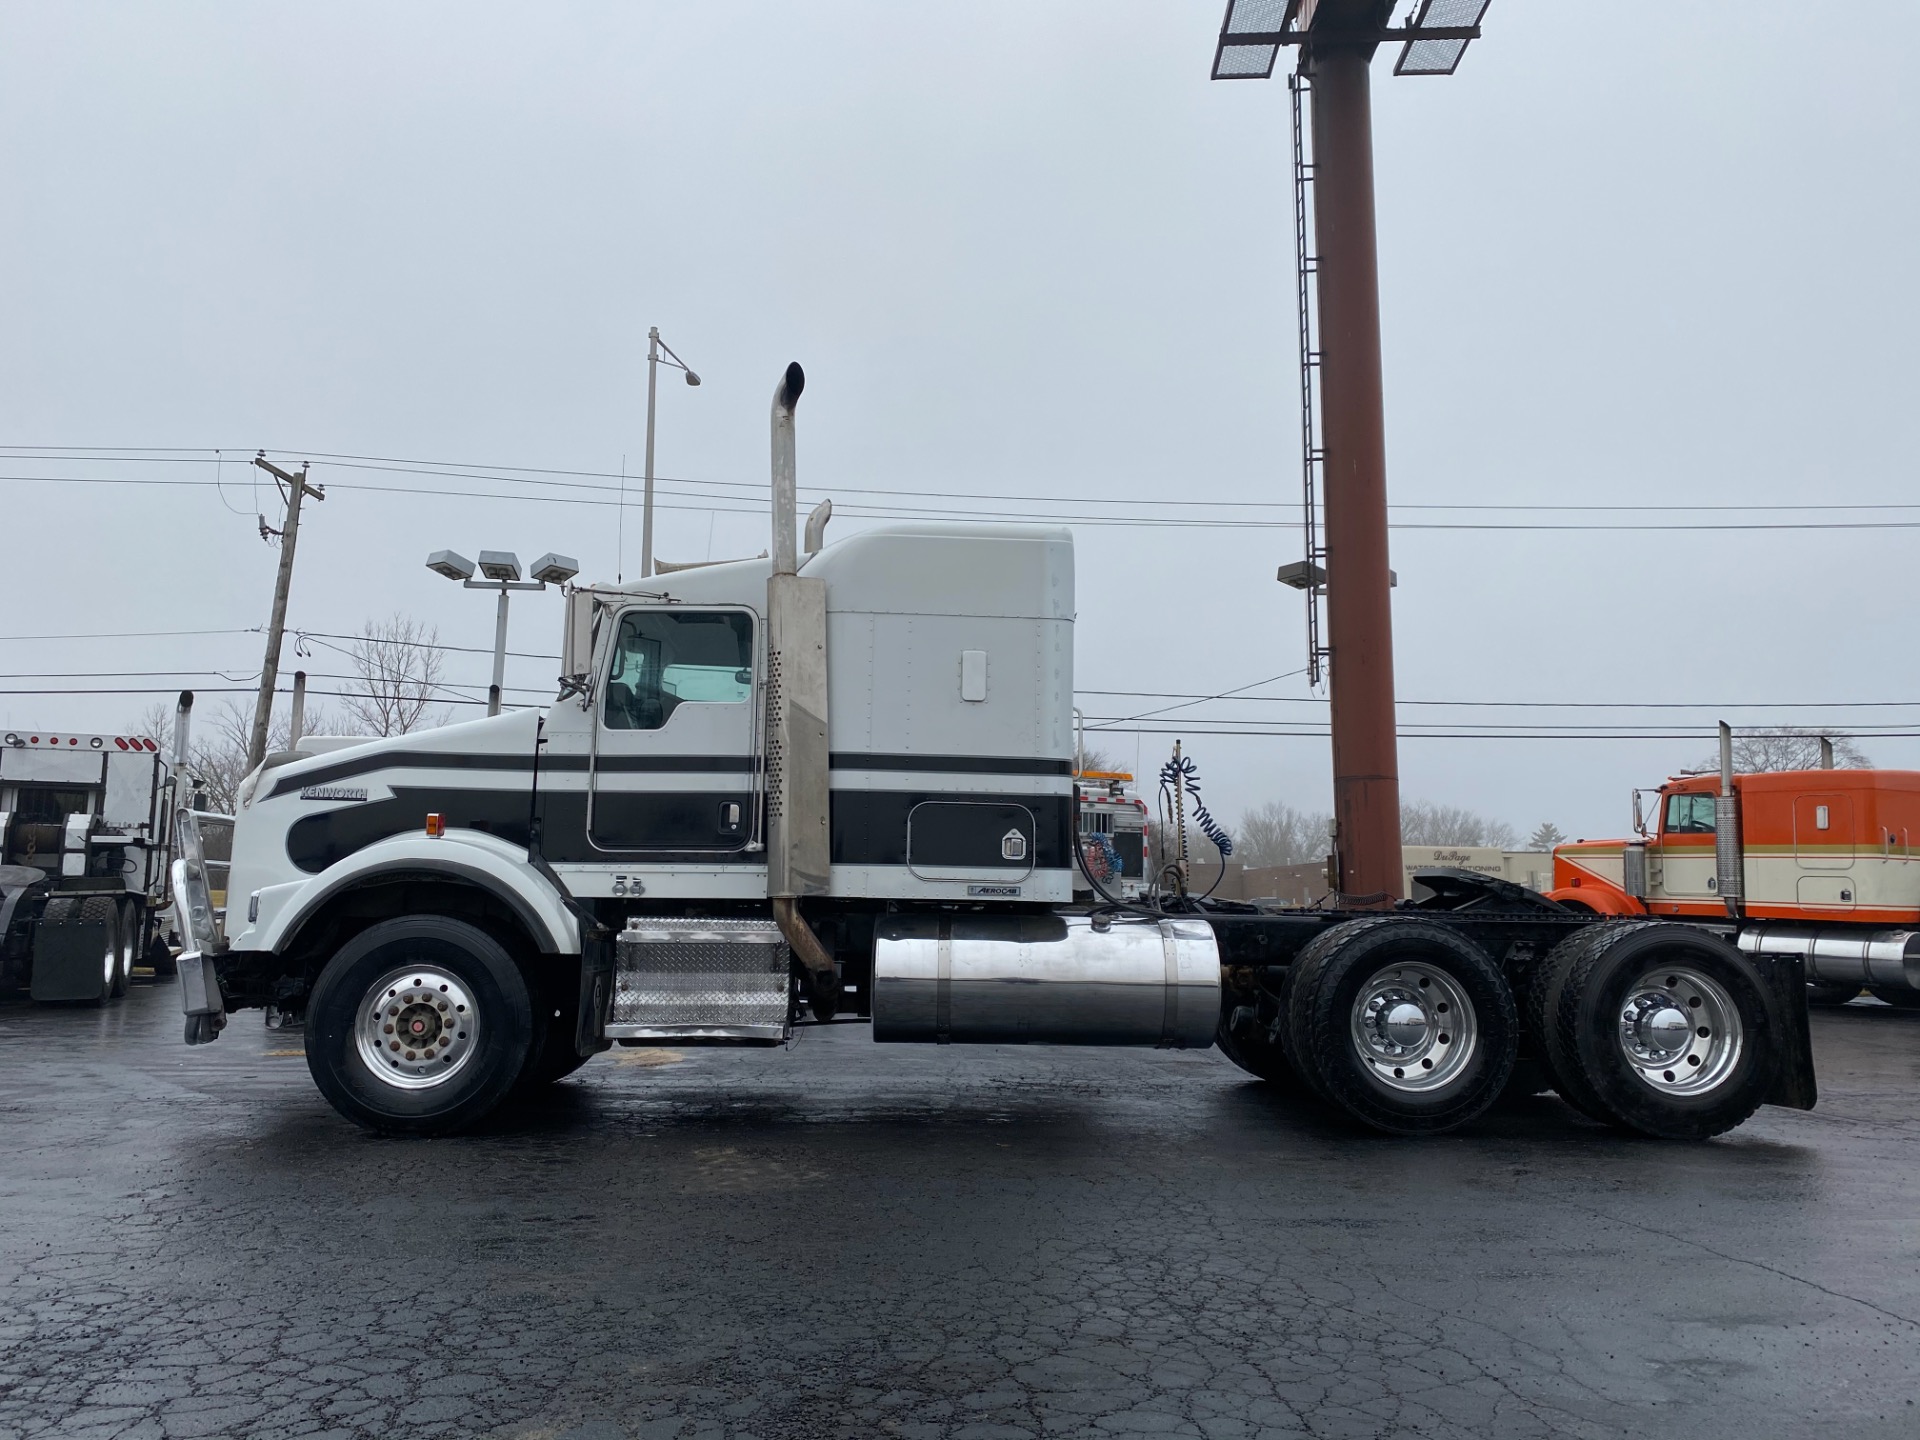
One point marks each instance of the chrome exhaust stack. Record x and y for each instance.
(1729, 856)
(799, 855)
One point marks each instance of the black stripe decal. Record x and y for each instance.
(951, 764)
(869, 827)
(442, 760)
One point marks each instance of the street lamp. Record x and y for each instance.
(654, 346)
(501, 572)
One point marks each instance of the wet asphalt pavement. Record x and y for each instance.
(846, 1239)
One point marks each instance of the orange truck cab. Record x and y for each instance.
(1826, 856)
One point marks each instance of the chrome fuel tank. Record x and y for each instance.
(1842, 955)
(1045, 980)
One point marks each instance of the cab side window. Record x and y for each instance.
(663, 659)
(1689, 815)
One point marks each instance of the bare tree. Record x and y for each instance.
(1780, 747)
(1277, 834)
(399, 664)
(1424, 823)
(218, 759)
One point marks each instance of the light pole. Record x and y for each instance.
(1343, 408)
(654, 346)
(502, 571)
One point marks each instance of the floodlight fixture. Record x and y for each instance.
(1251, 35)
(499, 565)
(1306, 575)
(1426, 55)
(454, 567)
(552, 569)
(1432, 41)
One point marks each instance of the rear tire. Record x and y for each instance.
(1405, 1024)
(1542, 994)
(1261, 1049)
(1665, 1028)
(127, 928)
(419, 1026)
(1825, 995)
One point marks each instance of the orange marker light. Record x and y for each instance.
(436, 826)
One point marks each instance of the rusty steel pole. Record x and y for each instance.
(1366, 764)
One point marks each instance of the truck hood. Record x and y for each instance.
(516, 732)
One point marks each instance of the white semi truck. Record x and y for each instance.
(838, 786)
(85, 831)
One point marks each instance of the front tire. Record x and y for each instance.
(1406, 1025)
(1898, 996)
(419, 1026)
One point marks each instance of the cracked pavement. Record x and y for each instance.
(845, 1239)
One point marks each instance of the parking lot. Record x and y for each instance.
(844, 1239)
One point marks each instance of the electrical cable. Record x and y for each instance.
(512, 474)
(875, 511)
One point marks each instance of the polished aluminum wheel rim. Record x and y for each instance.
(1680, 1031)
(417, 1028)
(112, 966)
(1413, 1027)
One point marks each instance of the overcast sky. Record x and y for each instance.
(1022, 250)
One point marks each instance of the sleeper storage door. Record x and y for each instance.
(675, 769)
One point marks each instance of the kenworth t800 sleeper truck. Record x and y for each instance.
(838, 785)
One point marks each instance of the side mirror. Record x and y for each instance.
(1639, 821)
(576, 644)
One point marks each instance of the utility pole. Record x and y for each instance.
(297, 487)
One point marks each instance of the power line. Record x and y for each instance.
(876, 511)
(130, 634)
(512, 474)
(1532, 704)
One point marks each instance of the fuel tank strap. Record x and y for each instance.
(1170, 1009)
(943, 984)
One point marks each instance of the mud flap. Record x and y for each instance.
(1785, 977)
(66, 961)
(596, 992)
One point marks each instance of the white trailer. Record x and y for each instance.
(839, 786)
(84, 850)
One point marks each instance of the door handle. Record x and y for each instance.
(730, 813)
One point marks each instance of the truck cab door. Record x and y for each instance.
(674, 764)
(1687, 867)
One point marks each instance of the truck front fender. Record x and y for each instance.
(1598, 897)
(464, 856)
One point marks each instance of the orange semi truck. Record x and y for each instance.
(1818, 864)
